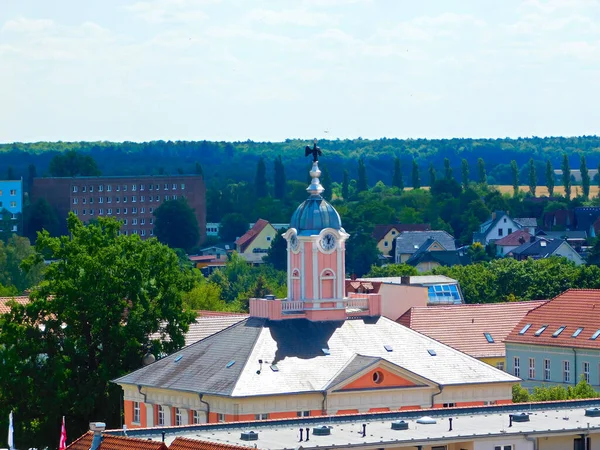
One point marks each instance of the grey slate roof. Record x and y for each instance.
(526, 221)
(537, 249)
(296, 347)
(409, 242)
(354, 366)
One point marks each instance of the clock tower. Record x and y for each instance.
(316, 253)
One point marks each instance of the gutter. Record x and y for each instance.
(142, 393)
(433, 396)
(532, 440)
(324, 404)
(575, 365)
(207, 408)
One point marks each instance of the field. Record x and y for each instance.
(543, 191)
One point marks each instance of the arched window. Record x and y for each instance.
(296, 290)
(327, 284)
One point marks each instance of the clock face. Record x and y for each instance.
(328, 242)
(294, 242)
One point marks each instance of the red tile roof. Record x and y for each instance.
(371, 287)
(515, 239)
(380, 231)
(463, 326)
(110, 442)
(181, 443)
(4, 308)
(244, 241)
(575, 308)
(198, 258)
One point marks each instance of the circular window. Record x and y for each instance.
(377, 377)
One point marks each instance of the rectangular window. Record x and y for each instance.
(118, 199)
(567, 371)
(109, 211)
(101, 188)
(108, 199)
(75, 200)
(161, 409)
(91, 212)
(124, 199)
(109, 188)
(500, 232)
(500, 365)
(100, 199)
(509, 231)
(151, 232)
(142, 221)
(133, 221)
(577, 332)
(158, 198)
(75, 212)
(175, 198)
(91, 188)
(133, 210)
(182, 186)
(166, 187)
(136, 412)
(101, 212)
(124, 221)
(134, 199)
(151, 221)
(13, 204)
(595, 335)
(196, 417)
(448, 405)
(75, 189)
(118, 210)
(143, 232)
(540, 330)
(83, 212)
(174, 186)
(586, 371)
(303, 414)
(157, 187)
(141, 187)
(134, 187)
(150, 198)
(124, 188)
(142, 210)
(489, 338)
(220, 417)
(84, 189)
(525, 328)
(166, 198)
(531, 368)
(517, 366)
(150, 186)
(118, 188)
(124, 210)
(91, 200)
(557, 332)
(151, 210)
(142, 198)
(546, 370)
(263, 416)
(178, 413)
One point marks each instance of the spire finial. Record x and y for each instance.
(315, 187)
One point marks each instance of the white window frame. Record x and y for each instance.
(517, 367)
(161, 410)
(178, 416)
(547, 372)
(75, 200)
(532, 368)
(261, 416)
(196, 417)
(109, 188)
(220, 417)
(134, 187)
(136, 412)
(182, 186)
(101, 188)
(75, 188)
(586, 371)
(566, 371)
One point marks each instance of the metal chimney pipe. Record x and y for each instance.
(364, 432)
(510, 420)
(450, 420)
(301, 434)
(163, 436)
(97, 428)
(307, 433)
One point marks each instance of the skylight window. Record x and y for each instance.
(577, 332)
(541, 330)
(178, 358)
(388, 348)
(489, 338)
(326, 351)
(274, 368)
(432, 352)
(557, 332)
(595, 335)
(230, 363)
(525, 328)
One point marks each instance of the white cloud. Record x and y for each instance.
(299, 17)
(163, 11)
(25, 25)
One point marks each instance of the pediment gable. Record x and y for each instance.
(375, 373)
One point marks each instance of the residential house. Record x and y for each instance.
(220, 251)
(561, 219)
(410, 242)
(11, 205)
(585, 216)
(255, 243)
(425, 261)
(20, 299)
(540, 248)
(385, 234)
(559, 425)
(508, 243)
(558, 342)
(477, 330)
(576, 239)
(500, 225)
(315, 352)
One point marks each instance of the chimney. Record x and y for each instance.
(494, 215)
(97, 428)
(405, 280)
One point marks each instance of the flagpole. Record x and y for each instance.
(11, 432)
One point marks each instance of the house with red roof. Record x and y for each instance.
(255, 243)
(478, 330)
(558, 342)
(512, 241)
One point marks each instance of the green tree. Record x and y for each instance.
(176, 224)
(447, 169)
(279, 182)
(482, 176)
(277, 253)
(260, 181)
(585, 177)
(515, 177)
(361, 253)
(41, 216)
(566, 176)
(205, 295)
(198, 169)
(362, 183)
(10, 174)
(519, 394)
(549, 178)
(464, 166)
(12, 254)
(416, 177)
(31, 174)
(233, 225)
(432, 174)
(345, 185)
(397, 180)
(103, 297)
(392, 270)
(532, 177)
(72, 164)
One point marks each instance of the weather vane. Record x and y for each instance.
(314, 151)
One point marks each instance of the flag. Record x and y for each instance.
(62, 445)
(11, 444)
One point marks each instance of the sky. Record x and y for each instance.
(269, 70)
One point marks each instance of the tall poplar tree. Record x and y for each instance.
(345, 185)
(416, 179)
(585, 177)
(362, 183)
(260, 182)
(432, 175)
(279, 179)
(566, 176)
(447, 169)
(549, 178)
(532, 177)
(464, 168)
(397, 180)
(482, 176)
(515, 177)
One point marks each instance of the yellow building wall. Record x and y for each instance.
(259, 242)
(494, 361)
(389, 238)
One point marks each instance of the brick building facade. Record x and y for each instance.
(132, 200)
